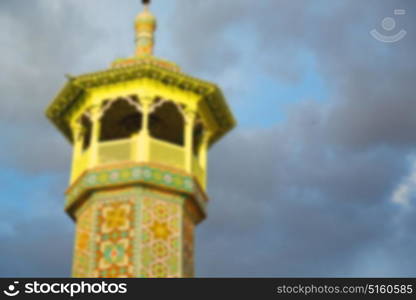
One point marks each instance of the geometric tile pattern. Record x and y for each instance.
(160, 238)
(135, 231)
(83, 238)
(188, 246)
(114, 238)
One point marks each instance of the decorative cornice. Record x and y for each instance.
(145, 59)
(131, 174)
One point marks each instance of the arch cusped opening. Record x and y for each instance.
(120, 120)
(166, 123)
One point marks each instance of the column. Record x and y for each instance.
(77, 148)
(189, 138)
(203, 149)
(203, 155)
(95, 115)
(144, 135)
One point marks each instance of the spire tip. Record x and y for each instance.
(145, 27)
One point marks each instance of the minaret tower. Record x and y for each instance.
(140, 132)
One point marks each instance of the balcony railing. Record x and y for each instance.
(166, 154)
(115, 151)
(79, 165)
(159, 152)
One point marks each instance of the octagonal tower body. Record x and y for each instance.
(140, 133)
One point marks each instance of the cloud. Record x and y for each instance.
(406, 189)
(38, 249)
(288, 207)
(204, 46)
(333, 165)
(42, 41)
(35, 234)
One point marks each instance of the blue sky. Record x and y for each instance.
(318, 179)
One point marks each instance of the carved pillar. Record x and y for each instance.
(76, 128)
(95, 114)
(144, 136)
(203, 149)
(190, 115)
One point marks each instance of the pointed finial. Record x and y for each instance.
(145, 28)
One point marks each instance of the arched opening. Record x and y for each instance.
(120, 121)
(166, 123)
(86, 132)
(197, 138)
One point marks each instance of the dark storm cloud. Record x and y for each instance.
(283, 213)
(203, 45)
(315, 199)
(310, 196)
(37, 249)
(40, 39)
(371, 82)
(36, 236)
